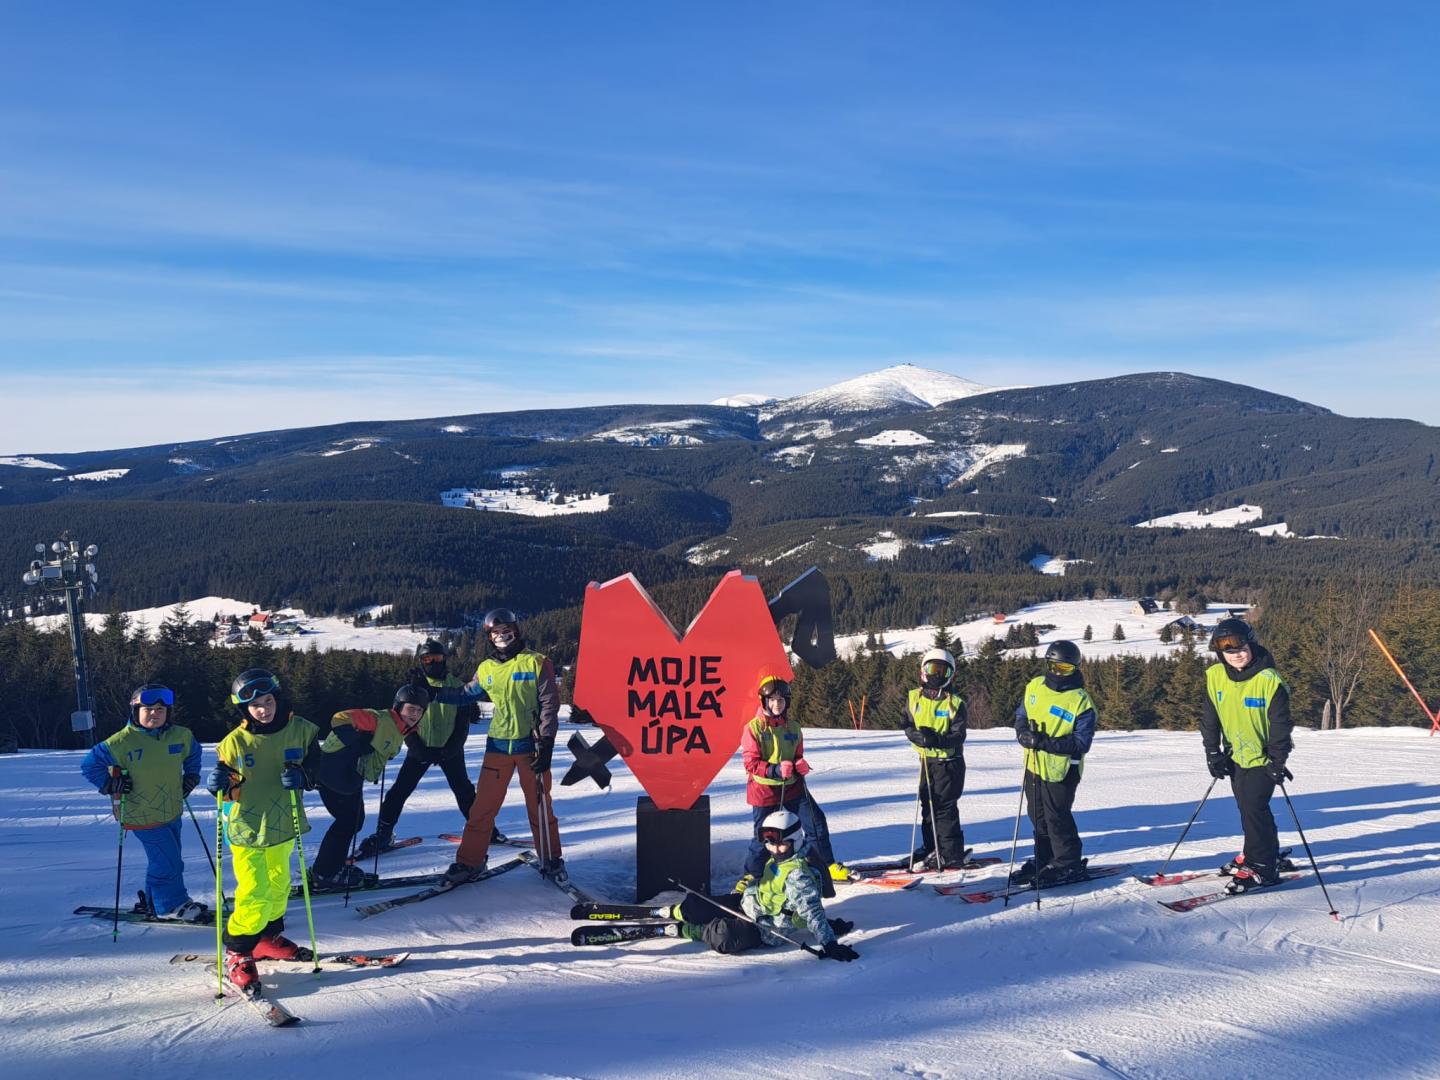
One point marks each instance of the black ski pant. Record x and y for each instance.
(1253, 789)
(941, 785)
(723, 933)
(1057, 840)
(348, 810)
(412, 769)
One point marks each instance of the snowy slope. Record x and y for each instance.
(1200, 519)
(1100, 982)
(899, 387)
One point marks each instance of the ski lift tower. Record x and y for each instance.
(71, 571)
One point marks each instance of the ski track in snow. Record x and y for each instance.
(1100, 983)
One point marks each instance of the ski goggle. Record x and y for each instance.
(1061, 667)
(1230, 643)
(433, 658)
(774, 688)
(255, 688)
(774, 837)
(937, 669)
(154, 695)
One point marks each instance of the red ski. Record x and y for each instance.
(1190, 903)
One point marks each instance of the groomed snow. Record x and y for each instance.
(899, 437)
(1198, 519)
(1069, 617)
(531, 502)
(98, 475)
(25, 462)
(1053, 565)
(1099, 983)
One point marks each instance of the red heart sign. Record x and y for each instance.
(674, 705)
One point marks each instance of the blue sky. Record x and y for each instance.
(223, 218)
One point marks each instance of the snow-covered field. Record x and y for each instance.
(323, 632)
(1069, 617)
(532, 502)
(1198, 519)
(1100, 982)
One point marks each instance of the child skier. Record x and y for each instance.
(360, 744)
(1055, 723)
(935, 723)
(1247, 708)
(772, 747)
(439, 740)
(520, 682)
(261, 766)
(148, 767)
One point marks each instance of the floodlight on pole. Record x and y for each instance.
(67, 573)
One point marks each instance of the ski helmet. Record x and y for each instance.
(937, 668)
(253, 683)
(497, 621)
(773, 686)
(1063, 657)
(411, 694)
(152, 693)
(1231, 634)
(779, 827)
(430, 655)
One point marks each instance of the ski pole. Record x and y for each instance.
(115, 770)
(1434, 717)
(741, 915)
(199, 832)
(930, 805)
(1015, 840)
(915, 825)
(304, 880)
(384, 768)
(219, 897)
(1310, 854)
(1185, 831)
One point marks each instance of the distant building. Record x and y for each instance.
(1146, 605)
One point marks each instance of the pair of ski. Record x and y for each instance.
(1190, 903)
(986, 896)
(613, 924)
(272, 1011)
(897, 873)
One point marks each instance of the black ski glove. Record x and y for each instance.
(921, 737)
(1220, 765)
(1276, 771)
(117, 783)
(1029, 738)
(834, 950)
(187, 785)
(222, 780)
(544, 749)
(841, 927)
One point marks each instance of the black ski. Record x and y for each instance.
(366, 910)
(599, 911)
(371, 884)
(619, 934)
(986, 896)
(129, 916)
(349, 960)
(395, 845)
(561, 882)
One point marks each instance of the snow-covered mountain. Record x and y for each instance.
(742, 401)
(902, 388)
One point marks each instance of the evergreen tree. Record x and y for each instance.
(1119, 633)
(1089, 634)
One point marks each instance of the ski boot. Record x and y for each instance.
(1234, 865)
(1024, 877)
(457, 873)
(554, 870)
(921, 859)
(376, 843)
(191, 911)
(279, 947)
(241, 974)
(347, 877)
(1248, 878)
(1054, 874)
(142, 904)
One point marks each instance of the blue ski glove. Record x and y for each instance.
(294, 778)
(222, 780)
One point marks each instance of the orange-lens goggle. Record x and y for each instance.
(775, 837)
(432, 658)
(1230, 643)
(1062, 667)
(936, 667)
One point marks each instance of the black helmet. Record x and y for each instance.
(253, 683)
(430, 655)
(152, 693)
(411, 694)
(501, 616)
(773, 684)
(1063, 652)
(1231, 633)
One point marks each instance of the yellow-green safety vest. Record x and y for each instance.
(259, 813)
(777, 744)
(385, 743)
(155, 762)
(935, 714)
(1053, 713)
(1244, 710)
(513, 687)
(771, 889)
(438, 723)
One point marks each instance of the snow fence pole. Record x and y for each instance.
(1185, 831)
(219, 898)
(1434, 717)
(741, 915)
(1015, 840)
(1309, 854)
(304, 879)
(199, 832)
(115, 770)
(915, 825)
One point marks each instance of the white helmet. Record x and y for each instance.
(928, 676)
(782, 825)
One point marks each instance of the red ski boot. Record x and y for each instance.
(241, 974)
(279, 947)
